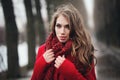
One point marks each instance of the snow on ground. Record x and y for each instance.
(3, 58)
(22, 53)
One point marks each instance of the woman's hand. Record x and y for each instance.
(59, 60)
(49, 56)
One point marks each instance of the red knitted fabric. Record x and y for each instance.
(59, 49)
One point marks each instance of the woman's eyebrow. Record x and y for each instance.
(67, 25)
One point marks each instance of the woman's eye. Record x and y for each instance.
(58, 25)
(67, 26)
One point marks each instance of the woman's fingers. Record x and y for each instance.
(49, 56)
(59, 60)
(50, 50)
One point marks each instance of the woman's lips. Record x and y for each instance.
(62, 38)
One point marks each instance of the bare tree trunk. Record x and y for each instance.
(30, 33)
(11, 39)
(40, 28)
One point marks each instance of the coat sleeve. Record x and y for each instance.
(39, 65)
(70, 72)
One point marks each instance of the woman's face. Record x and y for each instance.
(62, 28)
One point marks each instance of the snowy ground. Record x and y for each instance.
(22, 53)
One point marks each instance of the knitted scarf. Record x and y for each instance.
(59, 49)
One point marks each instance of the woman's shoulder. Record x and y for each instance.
(41, 50)
(42, 46)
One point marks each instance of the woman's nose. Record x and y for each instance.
(62, 30)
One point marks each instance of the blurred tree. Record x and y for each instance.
(52, 5)
(107, 21)
(11, 39)
(30, 33)
(40, 29)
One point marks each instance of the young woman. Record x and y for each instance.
(68, 52)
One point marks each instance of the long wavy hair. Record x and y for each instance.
(82, 47)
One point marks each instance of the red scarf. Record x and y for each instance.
(59, 49)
